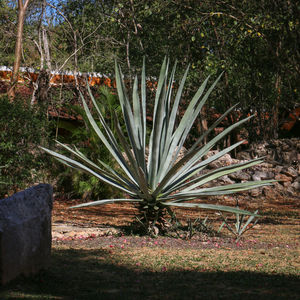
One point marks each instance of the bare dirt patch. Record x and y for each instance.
(103, 226)
(283, 210)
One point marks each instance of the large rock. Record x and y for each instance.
(262, 175)
(225, 160)
(25, 232)
(291, 172)
(240, 176)
(296, 186)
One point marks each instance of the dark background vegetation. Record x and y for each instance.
(255, 43)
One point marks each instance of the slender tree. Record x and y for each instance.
(22, 7)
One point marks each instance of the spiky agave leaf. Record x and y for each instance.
(163, 181)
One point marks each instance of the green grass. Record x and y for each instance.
(162, 272)
(266, 266)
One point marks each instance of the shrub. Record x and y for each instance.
(161, 181)
(22, 128)
(77, 184)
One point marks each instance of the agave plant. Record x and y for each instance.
(242, 224)
(161, 180)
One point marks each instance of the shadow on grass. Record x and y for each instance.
(83, 274)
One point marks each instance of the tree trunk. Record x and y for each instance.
(42, 85)
(18, 48)
(276, 107)
(203, 122)
(278, 96)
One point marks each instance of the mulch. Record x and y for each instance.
(118, 216)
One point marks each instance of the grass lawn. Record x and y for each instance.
(264, 265)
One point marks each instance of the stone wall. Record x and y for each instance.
(281, 162)
(25, 232)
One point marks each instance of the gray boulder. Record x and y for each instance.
(25, 232)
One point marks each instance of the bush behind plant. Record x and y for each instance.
(22, 128)
(70, 182)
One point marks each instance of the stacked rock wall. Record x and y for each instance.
(281, 162)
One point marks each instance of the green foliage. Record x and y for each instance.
(160, 182)
(1, 182)
(7, 18)
(253, 42)
(70, 181)
(22, 128)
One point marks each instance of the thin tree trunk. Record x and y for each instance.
(276, 107)
(203, 122)
(18, 48)
(278, 96)
(46, 49)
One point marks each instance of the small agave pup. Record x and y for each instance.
(161, 181)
